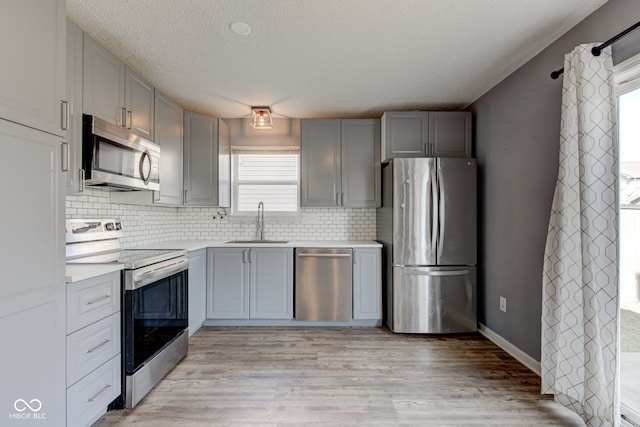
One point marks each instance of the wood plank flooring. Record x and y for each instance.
(343, 376)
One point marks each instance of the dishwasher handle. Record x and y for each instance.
(325, 255)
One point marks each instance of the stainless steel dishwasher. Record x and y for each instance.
(323, 284)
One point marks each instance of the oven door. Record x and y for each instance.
(154, 315)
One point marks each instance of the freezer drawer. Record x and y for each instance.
(434, 300)
(323, 285)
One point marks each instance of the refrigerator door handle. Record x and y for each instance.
(441, 213)
(434, 212)
(436, 272)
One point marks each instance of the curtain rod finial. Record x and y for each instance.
(596, 51)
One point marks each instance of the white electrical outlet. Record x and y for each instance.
(503, 304)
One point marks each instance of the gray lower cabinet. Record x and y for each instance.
(426, 134)
(197, 289)
(205, 138)
(367, 284)
(250, 283)
(93, 347)
(114, 92)
(349, 173)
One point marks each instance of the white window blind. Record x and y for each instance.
(268, 176)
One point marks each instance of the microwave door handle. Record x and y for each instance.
(145, 155)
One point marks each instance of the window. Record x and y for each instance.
(266, 175)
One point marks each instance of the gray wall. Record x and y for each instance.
(517, 127)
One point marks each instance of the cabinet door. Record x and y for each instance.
(32, 42)
(367, 283)
(32, 289)
(320, 182)
(271, 283)
(197, 289)
(360, 163)
(224, 165)
(227, 284)
(74, 97)
(201, 158)
(103, 83)
(404, 134)
(139, 100)
(169, 136)
(450, 133)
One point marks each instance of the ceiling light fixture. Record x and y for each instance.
(261, 118)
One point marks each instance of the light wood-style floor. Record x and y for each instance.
(343, 376)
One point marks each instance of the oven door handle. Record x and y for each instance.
(167, 269)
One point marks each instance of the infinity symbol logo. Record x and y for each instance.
(21, 405)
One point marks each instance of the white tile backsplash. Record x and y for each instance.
(153, 224)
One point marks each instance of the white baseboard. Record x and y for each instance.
(514, 351)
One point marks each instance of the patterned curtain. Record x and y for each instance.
(580, 285)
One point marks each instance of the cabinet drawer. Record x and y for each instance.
(91, 346)
(87, 400)
(92, 299)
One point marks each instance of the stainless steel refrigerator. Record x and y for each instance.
(428, 227)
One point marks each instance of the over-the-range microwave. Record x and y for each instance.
(115, 158)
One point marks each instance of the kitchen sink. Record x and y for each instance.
(258, 241)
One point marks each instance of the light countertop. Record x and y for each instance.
(194, 245)
(76, 272)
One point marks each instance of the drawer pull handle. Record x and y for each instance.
(97, 300)
(95, 396)
(98, 347)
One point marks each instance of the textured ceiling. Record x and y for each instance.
(326, 58)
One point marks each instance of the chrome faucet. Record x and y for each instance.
(260, 222)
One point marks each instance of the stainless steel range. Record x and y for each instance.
(155, 302)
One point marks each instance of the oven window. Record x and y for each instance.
(154, 315)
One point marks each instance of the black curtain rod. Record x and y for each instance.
(596, 51)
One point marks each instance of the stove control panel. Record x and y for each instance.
(84, 230)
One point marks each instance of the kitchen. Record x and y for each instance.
(515, 138)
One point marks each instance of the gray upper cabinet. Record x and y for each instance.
(426, 134)
(203, 138)
(32, 39)
(74, 97)
(114, 92)
(102, 83)
(360, 163)
(139, 98)
(320, 163)
(450, 133)
(405, 134)
(340, 163)
(169, 130)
